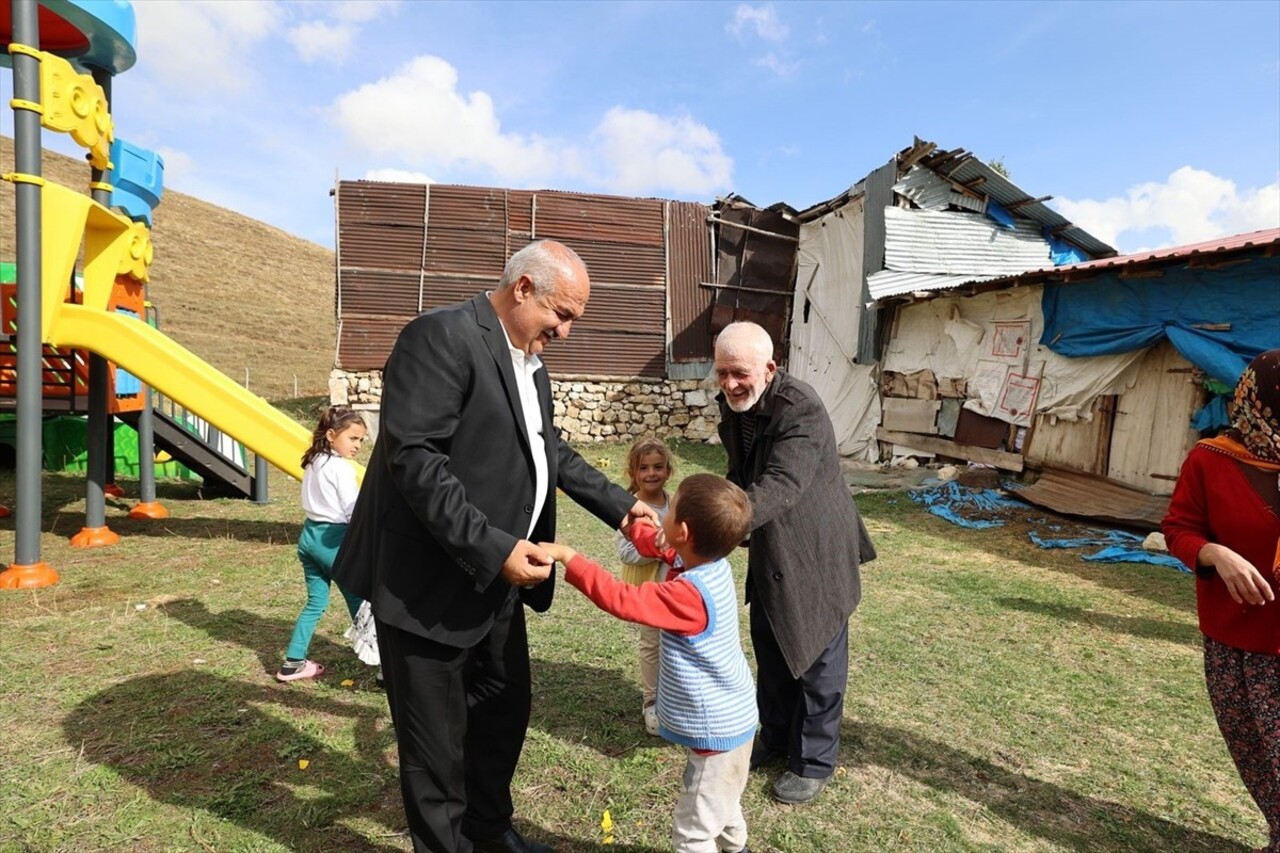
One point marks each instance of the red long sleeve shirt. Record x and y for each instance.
(1214, 502)
(672, 605)
(668, 605)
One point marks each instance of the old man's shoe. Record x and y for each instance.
(796, 790)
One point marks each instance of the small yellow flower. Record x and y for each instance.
(303, 764)
(347, 682)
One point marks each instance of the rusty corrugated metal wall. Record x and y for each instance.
(688, 268)
(405, 248)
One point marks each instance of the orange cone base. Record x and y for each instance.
(30, 576)
(152, 510)
(94, 537)
(113, 490)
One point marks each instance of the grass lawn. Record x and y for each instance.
(1000, 698)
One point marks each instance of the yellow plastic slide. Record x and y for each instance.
(181, 376)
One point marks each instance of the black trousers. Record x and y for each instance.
(800, 716)
(460, 717)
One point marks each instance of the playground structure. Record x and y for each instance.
(105, 318)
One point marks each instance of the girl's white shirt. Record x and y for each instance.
(329, 489)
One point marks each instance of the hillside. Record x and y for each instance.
(237, 292)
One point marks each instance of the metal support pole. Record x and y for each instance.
(260, 469)
(27, 569)
(95, 532)
(147, 506)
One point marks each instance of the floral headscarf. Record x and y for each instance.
(1255, 411)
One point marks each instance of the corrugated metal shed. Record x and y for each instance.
(956, 242)
(406, 248)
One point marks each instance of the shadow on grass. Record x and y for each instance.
(1063, 817)
(240, 530)
(1151, 629)
(594, 706)
(266, 638)
(200, 741)
(1162, 585)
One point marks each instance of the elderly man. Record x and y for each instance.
(806, 544)
(461, 485)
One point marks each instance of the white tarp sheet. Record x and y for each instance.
(825, 318)
(991, 341)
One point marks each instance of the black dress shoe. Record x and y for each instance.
(509, 842)
(764, 756)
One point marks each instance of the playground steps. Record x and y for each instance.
(223, 477)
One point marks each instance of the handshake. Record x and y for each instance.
(529, 564)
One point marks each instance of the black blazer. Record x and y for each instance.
(450, 487)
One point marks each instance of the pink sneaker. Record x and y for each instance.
(310, 669)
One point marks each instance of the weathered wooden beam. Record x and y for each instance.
(998, 458)
(754, 230)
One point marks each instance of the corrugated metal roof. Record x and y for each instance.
(956, 242)
(927, 190)
(888, 283)
(1221, 248)
(1074, 493)
(964, 168)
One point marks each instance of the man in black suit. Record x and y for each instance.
(807, 541)
(461, 484)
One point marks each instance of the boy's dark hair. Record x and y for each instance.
(336, 418)
(717, 513)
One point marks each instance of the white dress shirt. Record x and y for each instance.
(525, 365)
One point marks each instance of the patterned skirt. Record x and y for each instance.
(1244, 689)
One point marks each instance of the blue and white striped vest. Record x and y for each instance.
(706, 697)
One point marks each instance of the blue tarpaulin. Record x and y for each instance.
(1121, 547)
(949, 500)
(974, 508)
(1219, 319)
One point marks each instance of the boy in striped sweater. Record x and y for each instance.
(706, 696)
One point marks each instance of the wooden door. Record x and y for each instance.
(1151, 433)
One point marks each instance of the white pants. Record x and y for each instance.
(709, 812)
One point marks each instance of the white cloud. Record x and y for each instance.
(762, 21)
(448, 132)
(203, 42)
(1191, 206)
(178, 166)
(321, 40)
(643, 152)
(778, 66)
(358, 11)
(444, 127)
(398, 176)
(331, 40)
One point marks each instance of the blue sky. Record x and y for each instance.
(1152, 124)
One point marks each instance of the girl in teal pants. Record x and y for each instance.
(329, 491)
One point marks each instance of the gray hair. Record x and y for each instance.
(546, 263)
(743, 338)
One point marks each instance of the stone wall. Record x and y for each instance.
(587, 408)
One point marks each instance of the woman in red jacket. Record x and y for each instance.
(1224, 523)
